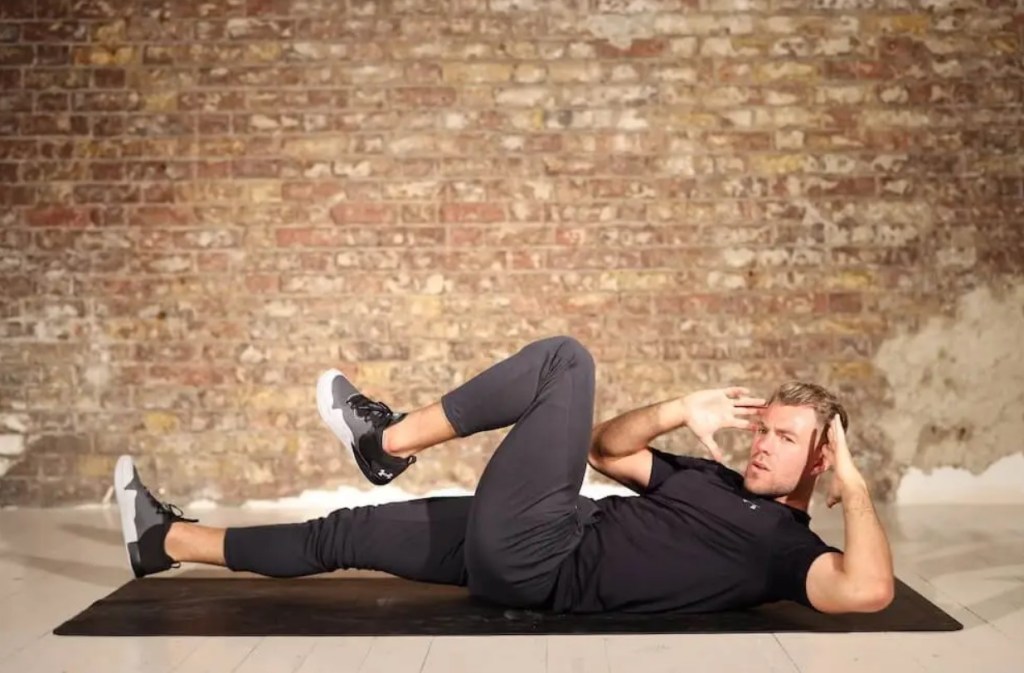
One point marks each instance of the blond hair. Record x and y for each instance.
(802, 394)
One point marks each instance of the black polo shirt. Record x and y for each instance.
(694, 541)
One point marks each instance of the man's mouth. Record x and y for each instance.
(759, 465)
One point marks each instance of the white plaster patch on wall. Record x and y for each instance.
(958, 389)
(11, 448)
(15, 422)
(1003, 482)
(347, 496)
(12, 440)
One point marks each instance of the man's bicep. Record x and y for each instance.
(826, 587)
(831, 589)
(632, 471)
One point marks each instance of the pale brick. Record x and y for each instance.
(783, 70)
(729, 96)
(477, 72)
(703, 24)
(529, 73)
(568, 71)
(526, 97)
(684, 47)
(730, 47)
(844, 94)
(518, 5)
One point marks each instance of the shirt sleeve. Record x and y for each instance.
(664, 465)
(794, 551)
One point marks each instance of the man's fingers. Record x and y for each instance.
(745, 410)
(838, 434)
(837, 425)
(744, 424)
(709, 442)
(736, 391)
(749, 402)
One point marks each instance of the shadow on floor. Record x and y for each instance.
(104, 576)
(105, 536)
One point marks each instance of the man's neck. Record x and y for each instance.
(800, 498)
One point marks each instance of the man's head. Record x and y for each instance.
(786, 452)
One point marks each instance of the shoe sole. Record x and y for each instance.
(330, 416)
(123, 473)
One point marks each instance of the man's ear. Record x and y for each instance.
(820, 457)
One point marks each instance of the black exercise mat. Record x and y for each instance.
(393, 607)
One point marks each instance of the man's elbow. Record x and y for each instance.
(876, 596)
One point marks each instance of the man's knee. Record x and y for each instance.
(571, 349)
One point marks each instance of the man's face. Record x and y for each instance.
(779, 454)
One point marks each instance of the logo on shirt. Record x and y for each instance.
(752, 505)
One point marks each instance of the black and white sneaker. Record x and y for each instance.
(144, 521)
(359, 423)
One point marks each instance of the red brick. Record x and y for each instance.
(10, 79)
(18, 195)
(311, 192)
(105, 101)
(472, 212)
(17, 9)
(56, 78)
(108, 126)
(44, 125)
(421, 96)
(57, 216)
(363, 213)
(109, 78)
(52, 54)
(185, 375)
(638, 48)
(846, 302)
(13, 55)
(162, 216)
(262, 283)
(106, 193)
(306, 237)
(858, 69)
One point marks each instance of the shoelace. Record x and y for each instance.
(171, 510)
(375, 412)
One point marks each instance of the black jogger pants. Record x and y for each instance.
(507, 540)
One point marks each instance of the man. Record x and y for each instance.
(698, 536)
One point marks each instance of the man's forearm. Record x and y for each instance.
(867, 560)
(632, 431)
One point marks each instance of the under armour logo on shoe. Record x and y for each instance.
(385, 474)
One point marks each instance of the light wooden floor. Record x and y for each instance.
(969, 560)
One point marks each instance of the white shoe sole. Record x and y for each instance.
(123, 473)
(331, 417)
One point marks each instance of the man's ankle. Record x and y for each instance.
(387, 440)
(170, 543)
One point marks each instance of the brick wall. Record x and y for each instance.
(207, 203)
